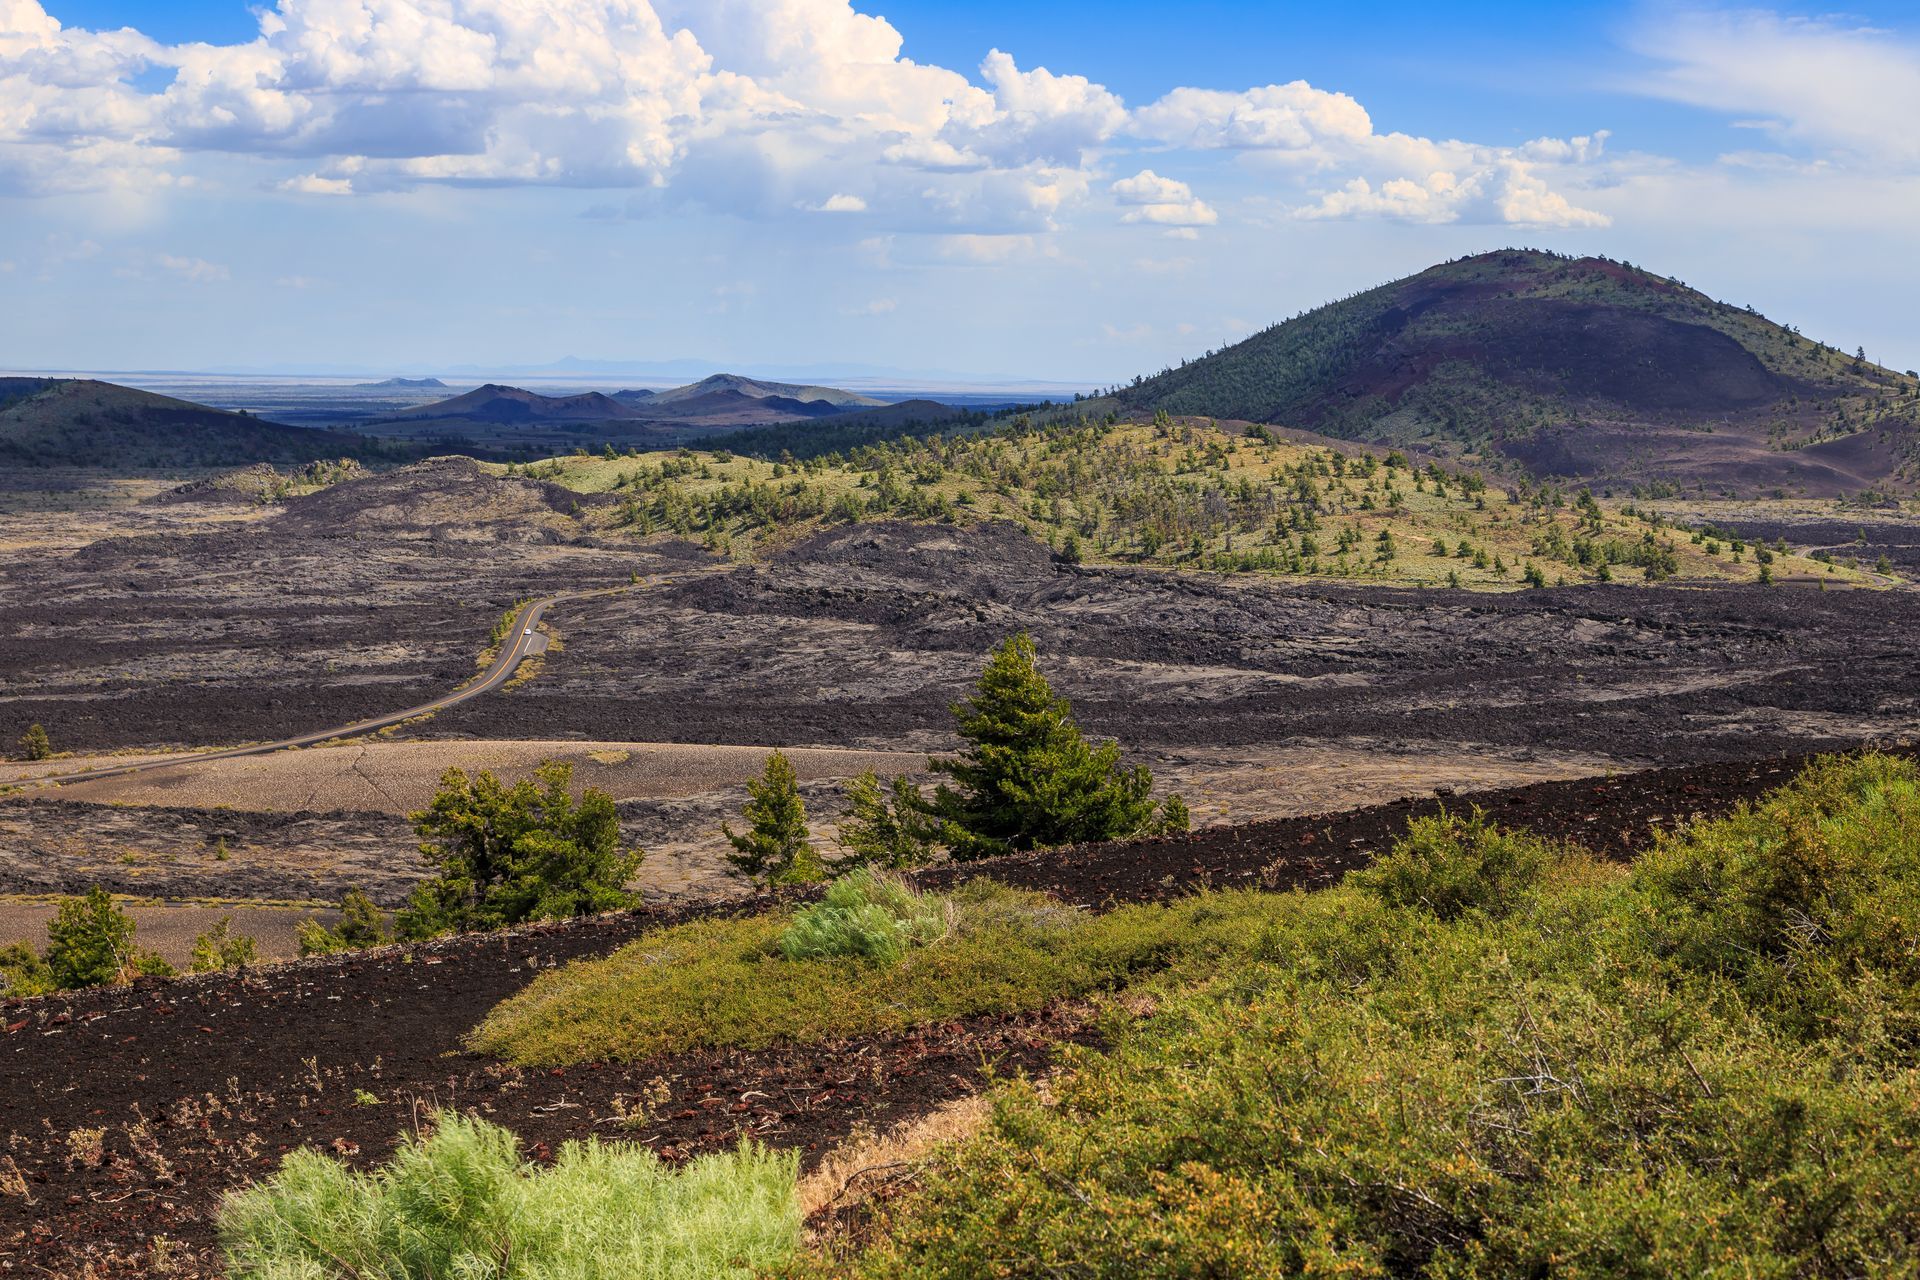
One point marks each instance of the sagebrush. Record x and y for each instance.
(460, 1204)
(870, 915)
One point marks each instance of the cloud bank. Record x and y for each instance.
(761, 108)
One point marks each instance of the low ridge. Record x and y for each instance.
(85, 423)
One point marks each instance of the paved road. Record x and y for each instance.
(519, 641)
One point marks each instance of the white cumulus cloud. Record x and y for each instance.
(754, 107)
(1165, 201)
(1504, 191)
(1304, 130)
(1291, 117)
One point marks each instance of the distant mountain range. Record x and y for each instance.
(83, 423)
(399, 384)
(579, 369)
(88, 423)
(1583, 368)
(759, 390)
(722, 400)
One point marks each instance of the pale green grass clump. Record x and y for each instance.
(460, 1203)
(868, 914)
(726, 983)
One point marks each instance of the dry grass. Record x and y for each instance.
(870, 1164)
(528, 671)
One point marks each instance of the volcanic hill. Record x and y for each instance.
(500, 404)
(755, 389)
(1577, 367)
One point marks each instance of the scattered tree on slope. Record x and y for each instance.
(508, 854)
(1029, 778)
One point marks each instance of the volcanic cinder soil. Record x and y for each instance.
(1254, 697)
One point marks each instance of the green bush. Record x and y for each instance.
(1450, 865)
(508, 854)
(220, 948)
(885, 828)
(89, 944)
(1703, 1067)
(361, 925)
(869, 915)
(35, 745)
(148, 964)
(460, 1205)
(23, 972)
(1809, 901)
(89, 941)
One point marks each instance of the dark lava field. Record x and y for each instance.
(379, 594)
(863, 636)
(131, 1110)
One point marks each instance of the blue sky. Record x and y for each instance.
(1064, 191)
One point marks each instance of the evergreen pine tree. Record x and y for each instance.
(882, 830)
(1028, 777)
(89, 941)
(35, 745)
(507, 854)
(774, 849)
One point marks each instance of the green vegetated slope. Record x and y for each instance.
(262, 485)
(1484, 1056)
(1187, 494)
(83, 423)
(725, 984)
(1576, 366)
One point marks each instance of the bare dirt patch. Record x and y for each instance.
(400, 777)
(308, 825)
(170, 928)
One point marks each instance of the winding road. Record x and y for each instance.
(519, 643)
